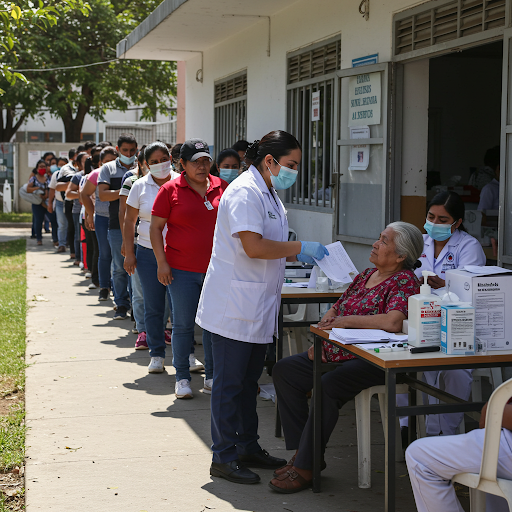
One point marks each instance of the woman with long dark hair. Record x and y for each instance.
(241, 297)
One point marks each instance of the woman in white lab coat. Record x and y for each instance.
(241, 297)
(447, 246)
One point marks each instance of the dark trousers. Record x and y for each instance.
(38, 213)
(93, 253)
(68, 207)
(237, 366)
(293, 378)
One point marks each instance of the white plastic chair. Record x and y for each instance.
(296, 333)
(486, 481)
(363, 421)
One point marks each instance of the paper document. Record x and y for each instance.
(296, 285)
(337, 266)
(475, 269)
(353, 336)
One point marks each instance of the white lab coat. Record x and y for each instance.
(461, 249)
(241, 296)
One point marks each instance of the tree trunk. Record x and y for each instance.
(73, 125)
(9, 126)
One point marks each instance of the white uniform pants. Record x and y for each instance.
(457, 383)
(433, 461)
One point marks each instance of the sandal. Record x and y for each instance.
(39, 242)
(284, 469)
(292, 481)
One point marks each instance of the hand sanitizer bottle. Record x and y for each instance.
(424, 316)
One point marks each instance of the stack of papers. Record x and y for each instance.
(485, 270)
(353, 336)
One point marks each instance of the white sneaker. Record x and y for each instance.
(92, 286)
(88, 275)
(182, 389)
(207, 388)
(195, 364)
(156, 365)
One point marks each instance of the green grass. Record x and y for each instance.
(15, 217)
(13, 310)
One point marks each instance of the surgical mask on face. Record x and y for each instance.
(128, 160)
(41, 171)
(439, 232)
(228, 174)
(161, 170)
(54, 168)
(285, 179)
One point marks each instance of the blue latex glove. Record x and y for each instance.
(313, 249)
(306, 259)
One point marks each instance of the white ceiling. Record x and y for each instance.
(193, 25)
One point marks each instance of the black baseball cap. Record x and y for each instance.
(193, 149)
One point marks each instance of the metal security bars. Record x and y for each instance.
(449, 23)
(230, 111)
(311, 74)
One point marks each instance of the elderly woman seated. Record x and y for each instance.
(377, 299)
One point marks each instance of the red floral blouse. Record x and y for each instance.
(390, 295)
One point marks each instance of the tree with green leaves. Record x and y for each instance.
(79, 42)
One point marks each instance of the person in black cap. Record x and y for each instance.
(188, 205)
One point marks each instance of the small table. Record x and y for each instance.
(393, 363)
(292, 295)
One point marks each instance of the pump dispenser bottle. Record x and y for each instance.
(425, 316)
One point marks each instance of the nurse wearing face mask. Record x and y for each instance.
(241, 298)
(447, 246)
(143, 265)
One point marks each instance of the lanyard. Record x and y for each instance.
(207, 204)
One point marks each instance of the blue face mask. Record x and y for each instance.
(439, 232)
(285, 179)
(228, 174)
(128, 160)
(54, 168)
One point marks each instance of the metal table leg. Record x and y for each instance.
(412, 419)
(317, 414)
(279, 356)
(389, 500)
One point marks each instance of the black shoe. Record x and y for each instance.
(404, 432)
(121, 313)
(262, 459)
(235, 472)
(103, 294)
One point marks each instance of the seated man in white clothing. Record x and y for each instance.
(433, 461)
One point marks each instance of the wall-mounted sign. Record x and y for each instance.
(364, 99)
(315, 106)
(365, 61)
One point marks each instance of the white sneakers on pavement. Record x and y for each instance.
(195, 364)
(156, 365)
(182, 389)
(207, 388)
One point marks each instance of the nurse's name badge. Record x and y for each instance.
(271, 215)
(208, 204)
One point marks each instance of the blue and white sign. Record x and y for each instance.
(365, 61)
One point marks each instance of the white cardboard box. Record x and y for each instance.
(491, 296)
(457, 329)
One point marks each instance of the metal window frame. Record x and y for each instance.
(459, 42)
(293, 93)
(391, 121)
(225, 116)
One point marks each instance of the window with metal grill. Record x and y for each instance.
(427, 26)
(230, 119)
(316, 62)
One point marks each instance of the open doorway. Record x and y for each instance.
(464, 113)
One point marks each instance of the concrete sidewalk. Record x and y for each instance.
(104, 435)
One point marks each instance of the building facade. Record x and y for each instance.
(391, 100)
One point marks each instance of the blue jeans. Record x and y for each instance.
(52, 217)
(234, 420)
(184, 292)
(138, 301)
(155, 301)
(62, 221)
(38, 213)
(119, 275)
(105, 258)
(78, 236)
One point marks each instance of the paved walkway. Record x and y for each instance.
(104, 435)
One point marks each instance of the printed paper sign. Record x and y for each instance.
(33, 158)
(315, 106)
